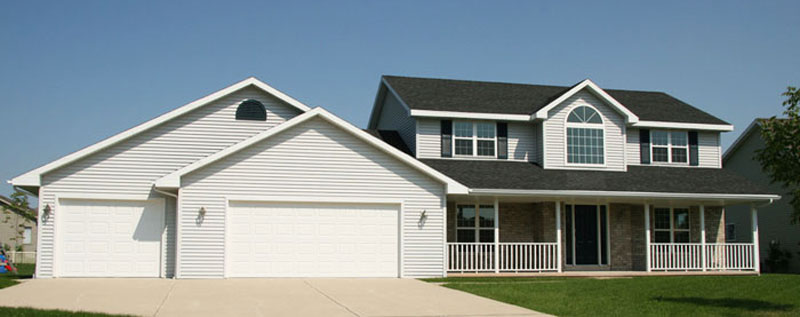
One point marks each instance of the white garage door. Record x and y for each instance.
(311, 240)
(104, 238)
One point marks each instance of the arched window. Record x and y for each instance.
(251, 110)
(585, 137)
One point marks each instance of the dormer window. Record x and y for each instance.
(669, 146)
(251, 109)
(585, 145)
(474, 138)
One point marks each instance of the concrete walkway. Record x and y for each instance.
(254, 297)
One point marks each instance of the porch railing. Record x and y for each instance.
(689, 256)
(511, 257)
(730, 256)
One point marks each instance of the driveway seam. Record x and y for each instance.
(331, 298)
(171, 287)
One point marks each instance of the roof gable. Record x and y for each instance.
(33, 177)
(543, 113)
(173, 180)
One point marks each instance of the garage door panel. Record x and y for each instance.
(299, 240)
(109, 238)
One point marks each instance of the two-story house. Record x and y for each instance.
(572, 178)
(450, 177)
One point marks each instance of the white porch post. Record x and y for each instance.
(496, 235)
(756, 253)
(703, 236)
(647, 234)
(558, 235)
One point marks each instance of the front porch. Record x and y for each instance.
(580, 238)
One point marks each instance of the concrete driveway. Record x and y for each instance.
(254, 297)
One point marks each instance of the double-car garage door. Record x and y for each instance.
(311, 240)
(113, 238)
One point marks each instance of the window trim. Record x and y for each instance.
(669, 147)
(597, 126)
(474, 139)
(30, 235)
(477, 226)
(672, 230)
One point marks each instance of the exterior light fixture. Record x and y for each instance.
(202, 212)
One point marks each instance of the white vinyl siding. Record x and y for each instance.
(394, 116)
(131, 166)
(521, 140)
(555, 133)
(708, 149)
(314, 160)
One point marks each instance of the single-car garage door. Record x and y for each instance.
(109, 238)
(311, 240)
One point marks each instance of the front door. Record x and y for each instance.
(586, 234)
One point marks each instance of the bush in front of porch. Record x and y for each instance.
(769, 294)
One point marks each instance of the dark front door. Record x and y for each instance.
(586, 234)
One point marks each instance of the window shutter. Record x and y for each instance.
(693, 159)
(447, 138)
(502, 140)
(644, 145)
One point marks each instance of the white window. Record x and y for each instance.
(27, 235)
(585, 137)
(669, 146)
(474, 138)
(671, 225)
(475, 223)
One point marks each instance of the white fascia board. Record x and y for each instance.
(33, 177)
(630, 117)
(470, 115)
(621, 194)
(683, 125)
(173, 180)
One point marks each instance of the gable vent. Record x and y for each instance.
(251, 109)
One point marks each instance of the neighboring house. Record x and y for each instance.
(775, 220)
(17, 229)
(450, 176)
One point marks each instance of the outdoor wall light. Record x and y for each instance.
(202, 212)
(423, 215)
(47, 210)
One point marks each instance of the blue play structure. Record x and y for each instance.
(3, 264)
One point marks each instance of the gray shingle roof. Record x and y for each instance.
(524, 175)
(508, 98)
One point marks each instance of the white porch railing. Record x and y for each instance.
(514, 257)
(730, 256)
(21, 257)
(689, 256)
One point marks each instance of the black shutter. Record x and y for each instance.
(644, 145)
(502, 140)
(447, 138)
(693, 159)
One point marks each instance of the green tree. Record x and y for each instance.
(780, 157)
(19, 202)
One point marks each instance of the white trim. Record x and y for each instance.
(173, 180)
(179, 206)
(682, 125)
(584, 125)
(474, 138)
(470, 115)
(33, 177)
(312, 199)
(618, 194)
(669, 146)
(647, 236)
(630, 117)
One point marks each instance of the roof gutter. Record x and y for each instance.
(619, 194)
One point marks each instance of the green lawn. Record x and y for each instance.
(766, 295)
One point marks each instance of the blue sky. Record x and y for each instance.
(75, 72)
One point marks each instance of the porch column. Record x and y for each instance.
(703, 236)
(558, 235)
(756, 253)
(496, 235)
(647, 235)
